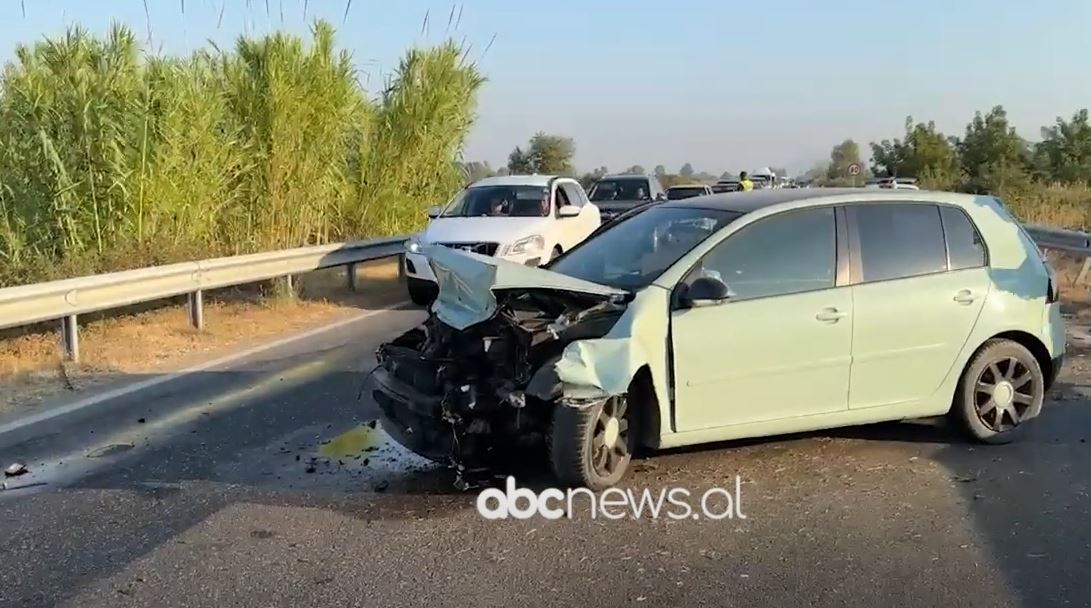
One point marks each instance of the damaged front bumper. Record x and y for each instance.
(476, 382)
(456, 397)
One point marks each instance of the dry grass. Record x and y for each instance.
(162, 340)
(1062, 206)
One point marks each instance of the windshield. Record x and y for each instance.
(681, 192)
(500, 201)
(619, 190)
(635, 251)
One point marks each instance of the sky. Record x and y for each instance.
(724, 85)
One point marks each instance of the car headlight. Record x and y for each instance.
(530, 244)
(413, 245)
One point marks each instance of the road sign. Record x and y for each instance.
(854, 169)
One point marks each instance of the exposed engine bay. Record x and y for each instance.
(470, 397)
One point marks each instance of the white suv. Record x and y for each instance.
(528, 219)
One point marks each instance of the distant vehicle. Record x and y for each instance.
(615, 194)
(764, 178)
(529, 219)
(892, 183)
(677, 193)
(726, 185)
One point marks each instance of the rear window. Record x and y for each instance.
(679, 193)
(899, 241)
(622, 189)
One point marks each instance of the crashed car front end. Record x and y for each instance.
(479, 378)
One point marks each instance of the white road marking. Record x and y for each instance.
(129, 389)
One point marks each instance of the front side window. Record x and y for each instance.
(572, 193)
(793, 252)
(899, 241)
(635, 251)
(500, 201)
(965, 249)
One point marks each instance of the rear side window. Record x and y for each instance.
(898, 241)
(965, 249)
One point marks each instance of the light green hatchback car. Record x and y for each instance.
(730, 316)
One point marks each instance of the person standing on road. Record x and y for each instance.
(745, 184)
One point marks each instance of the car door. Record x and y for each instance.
(576, 229)
(917, 297)
(779, 346)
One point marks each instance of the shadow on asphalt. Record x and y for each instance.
(1028, 502)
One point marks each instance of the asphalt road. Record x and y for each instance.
(264, 485)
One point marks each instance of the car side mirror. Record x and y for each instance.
(660, 197)
(705, 291)
(433, 212)
(568, 211)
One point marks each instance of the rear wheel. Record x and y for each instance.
(1000, 392)
(421, 292)
(593, 446)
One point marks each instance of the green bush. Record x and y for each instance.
(111, 159)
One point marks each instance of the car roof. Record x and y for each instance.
(515, 180)
(686, 186)
(746, 202)
(625, 176)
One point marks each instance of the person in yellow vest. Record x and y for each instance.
(745, 185)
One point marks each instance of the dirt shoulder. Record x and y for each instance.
(161, 340)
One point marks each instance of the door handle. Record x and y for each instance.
(830, 315)
(965, 297)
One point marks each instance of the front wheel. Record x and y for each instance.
(593, 446)
(1000, 391)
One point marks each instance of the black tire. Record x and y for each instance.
(1000, 392)
(576, 459)
(421, 293)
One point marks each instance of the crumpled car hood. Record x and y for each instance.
(467, 282)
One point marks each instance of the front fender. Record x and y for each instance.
(594, 369)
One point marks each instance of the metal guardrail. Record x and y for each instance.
(68, 298)
(1048, 237)
(1068, 241)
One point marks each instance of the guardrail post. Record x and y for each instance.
(70, 338)
(350, 273)
(197, 310)
(1083, 271)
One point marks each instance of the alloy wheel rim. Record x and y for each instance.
(610, 441)
(1004, 394)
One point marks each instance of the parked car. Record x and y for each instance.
(892, 183)
(725, 317)
(615, 194)
(526, 219)
(679, 192)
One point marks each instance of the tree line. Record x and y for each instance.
(547, 154)
(990, 155)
